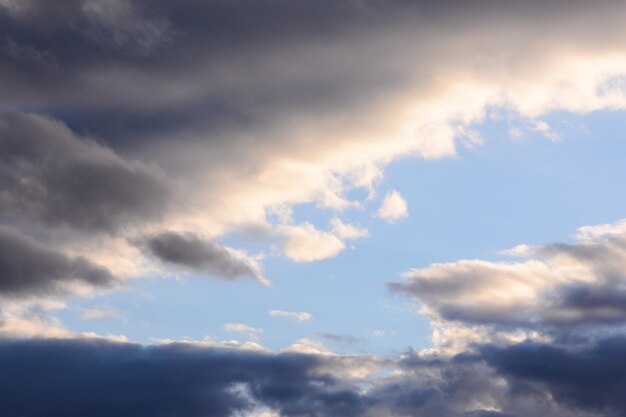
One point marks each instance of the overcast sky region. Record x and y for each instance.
(312, 208)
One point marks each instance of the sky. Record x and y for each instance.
(312, 208)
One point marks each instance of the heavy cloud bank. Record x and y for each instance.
(125, 120)
(79, 377)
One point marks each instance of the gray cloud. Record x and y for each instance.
(189, 251)
(251, 106)
(173, 380)
(588, 378)
(559, 288)
(28, 268)
(50, 176)
(119, 68)
(43, 377)
(340, 339)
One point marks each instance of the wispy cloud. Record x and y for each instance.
(242, 328)
(295, 315)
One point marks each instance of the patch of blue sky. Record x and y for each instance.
(529, 189)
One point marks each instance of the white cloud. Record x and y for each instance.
(242, 328)
(305, 243)
(347, 231)
(393, 208)
(559, 287)
(101, 312)
(300, 315)
(308, 346)
(545, 129)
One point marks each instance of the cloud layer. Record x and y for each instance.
(134, 119)
(45, 377)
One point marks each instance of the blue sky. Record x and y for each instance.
(490, 197)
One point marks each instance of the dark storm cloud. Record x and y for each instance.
(50, 51)
(592, 378)
(489, 414)
(78, 377)
(118, 67)
(190, 251)
(27, 268)
(96, 378)
(50, 176)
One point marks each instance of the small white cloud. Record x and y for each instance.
(545, 129)
(300, 316)
(305, 243)
(208, 341)
(347, 231)
(308, 346)
(242, 328)
(378, 333)
(393, 208)
(100, 313)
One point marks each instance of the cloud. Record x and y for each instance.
(43, 377)
(305, 243)
(138, 119)
(51, 176)
(339, 339)
(28, 268)
(118, 24)
(192, 116)
(99, 383)
(561, 289)
(583, 378)
(299, 315)
(32, 320)
(393, 208)
(243, 328)
(101, 312)
(189, 251)
(545, 129)
(347, 231)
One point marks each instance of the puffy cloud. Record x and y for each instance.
(562, 289)
(28, 268)
(305, 243)
(295, 315)
(347, 231)
(244, 114)
(50, 175)
(189, 251)
(582, 379)
(393, 208)
(30, 322)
